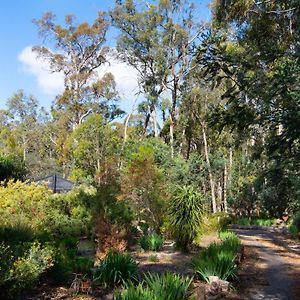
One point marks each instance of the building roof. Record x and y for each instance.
(56, 183)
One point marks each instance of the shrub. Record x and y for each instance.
(12, 167)
(294, 227)
(19, 273)
(152, 242)
(293, 231)
(296, 221)
(218, 259)
(43, 214)
(255, 221)
(116, 269)
(168, 286)
(15, 233)
(185, 215)
(7, 258)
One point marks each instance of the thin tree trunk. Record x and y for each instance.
(126, 127)
(172, 136)
(225, 189)
(155, 122)
(24, 148)
(182, 139)
(211, 180)
(229, 168)
(188, 151)
(220, 194)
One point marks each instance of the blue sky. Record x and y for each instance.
(20, 70)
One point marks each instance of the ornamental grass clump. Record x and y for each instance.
(152, 242)
(218, 259)
(168, 286)
(135, 292)
(116, 269)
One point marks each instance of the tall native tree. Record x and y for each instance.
(254, 49)
(79, 50)
(158, 41)
(23, 112)
(94, 148)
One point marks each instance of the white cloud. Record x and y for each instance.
(126, 77)
(50, 83)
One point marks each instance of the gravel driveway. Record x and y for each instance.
(278, 264)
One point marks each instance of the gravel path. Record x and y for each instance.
(278, 264)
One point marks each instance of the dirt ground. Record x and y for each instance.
(271, 269)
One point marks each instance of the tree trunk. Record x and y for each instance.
(155, 122)
(211, 179)
(220, 194)
(126, 127)
(225, 189)
(24, 148)
(172, 135)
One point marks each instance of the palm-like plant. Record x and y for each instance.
(185, 215)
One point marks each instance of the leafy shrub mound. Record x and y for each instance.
(152, 242)
(20, 272)
(154, 287)
(116, 269)
(218, 259)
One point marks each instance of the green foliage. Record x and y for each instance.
(152, 242)
(223, 235)
(168, 286)
(218, 259)
(142, 185)
(185, 215)
(19, 273)
(135, 292)
(153, 258)
(22, 206)
(43, 214)
(214, 223)
(254, 221)
(26, 270)
(12, 167)
(119, 212)
(94, 146)
(294, 226)
(15, 233)
(116, 269)
(30, 212)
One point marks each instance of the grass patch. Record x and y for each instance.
(153, 258)
(218, 259)
(152, 242)
(255, 221)
(156, 287)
